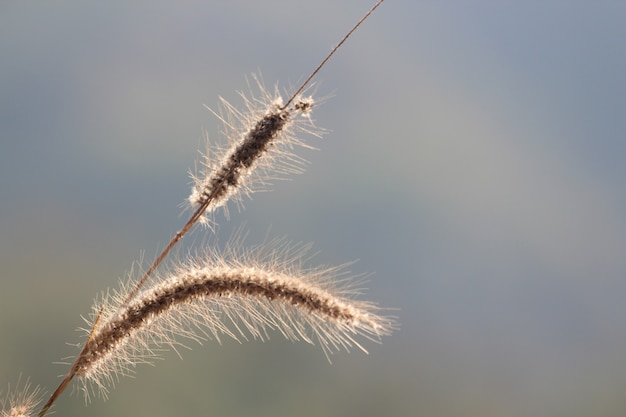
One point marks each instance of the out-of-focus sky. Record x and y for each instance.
(474, 165)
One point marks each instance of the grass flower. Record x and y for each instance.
(235, 292)
(240, 293)
(260, 139)
(20, 401)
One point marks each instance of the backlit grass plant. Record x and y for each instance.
(234, 291)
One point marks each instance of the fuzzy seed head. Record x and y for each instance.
(260, 141)
(241, 294)
(21, 402)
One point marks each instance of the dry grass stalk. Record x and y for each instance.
(237, 293)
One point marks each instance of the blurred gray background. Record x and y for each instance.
(474, 165)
